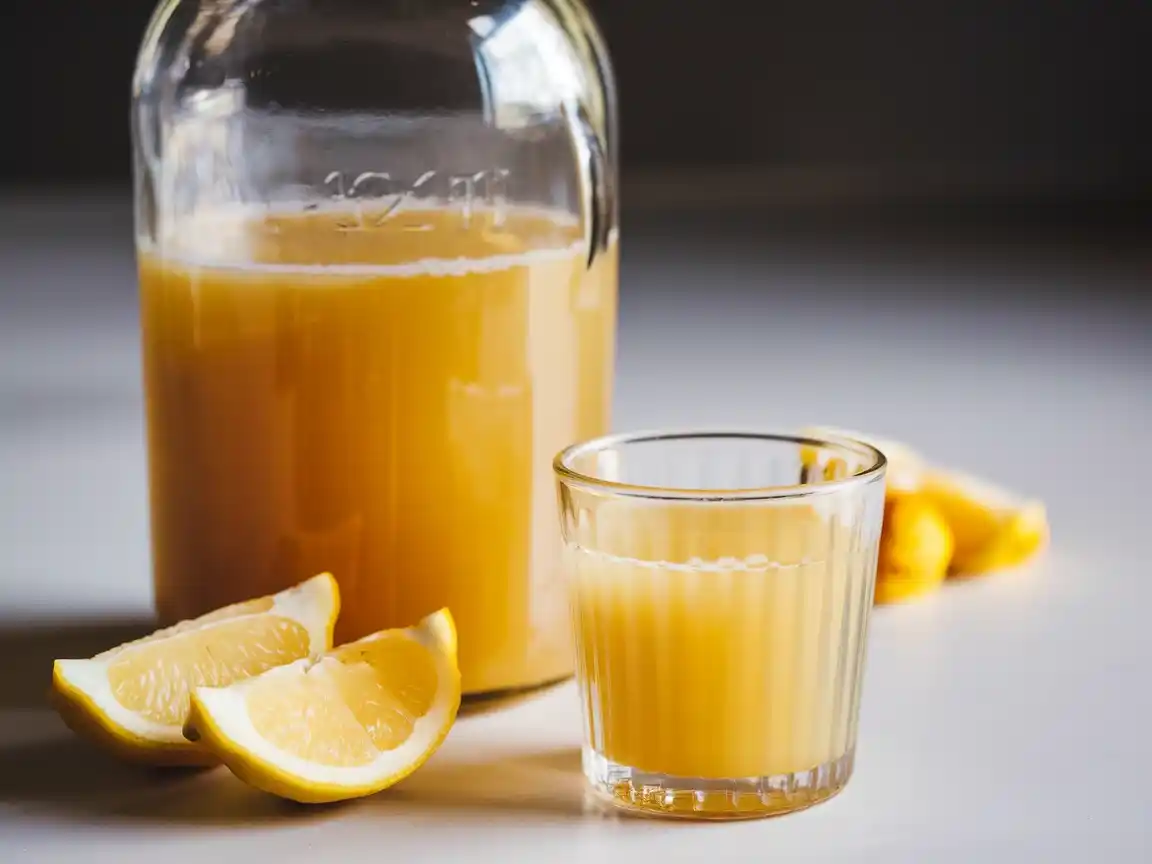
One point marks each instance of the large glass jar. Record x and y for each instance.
(377, 247)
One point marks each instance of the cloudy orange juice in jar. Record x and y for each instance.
(377, 251)
(385, 416)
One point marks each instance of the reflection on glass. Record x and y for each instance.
(529, 65)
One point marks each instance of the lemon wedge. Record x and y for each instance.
(348, 724)
(133, 699)
(915, 548)
(933, 514)
(994, 529)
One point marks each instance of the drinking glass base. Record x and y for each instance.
(651, 794)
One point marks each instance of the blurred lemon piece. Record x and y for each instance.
(349, 724)
(905, 465)
(939, 522)
(916, 541)
(915, 548)
(994, 529)
(134, 699)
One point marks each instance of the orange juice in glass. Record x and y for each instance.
(383, 405)
(720, 586)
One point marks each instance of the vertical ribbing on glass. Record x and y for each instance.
(720, 640)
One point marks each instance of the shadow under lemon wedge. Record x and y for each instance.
(940, 524)
(134, 699)
(347, 724)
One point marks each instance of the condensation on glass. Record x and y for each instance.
(377, 245)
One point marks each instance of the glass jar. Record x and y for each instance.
(377, 247)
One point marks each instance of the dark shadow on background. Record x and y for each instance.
(828, 85)
(67, 777)
(28, 652)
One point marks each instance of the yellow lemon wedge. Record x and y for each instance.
(345, 725)
(133, 699)
(994, 528)
(915, 548)
(938, 522)
(905, 465)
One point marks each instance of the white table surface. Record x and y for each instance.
(1005, 720)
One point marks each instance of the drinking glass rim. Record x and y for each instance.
(561, 465)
